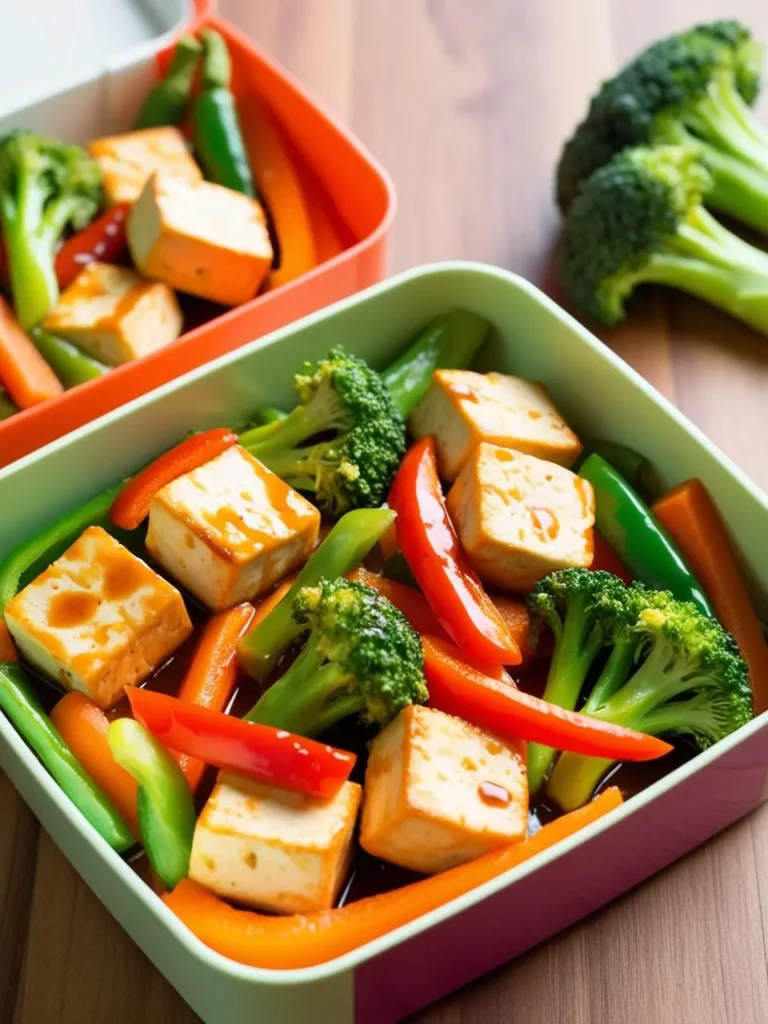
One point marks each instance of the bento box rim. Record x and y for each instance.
(188, 19)
(194, 946)
(206, 15)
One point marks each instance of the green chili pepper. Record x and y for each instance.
(70, 365)
(637, 537)
(634, 467)
(450, 341)
(168, 100)
(20, 703)
(343, 550)
(269, 414)
(7, 406)
(39, 551)
(165, 807)
(218, 139)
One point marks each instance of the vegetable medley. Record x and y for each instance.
(96, 243)
(669, 138)
(359, 602)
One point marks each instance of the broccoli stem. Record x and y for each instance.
(725, 120)
(343, 550)
(309, 698)
(575, 649)
(450, 341)
(738, 189)
(614, 675)
(33, 278)
(575, 779)
(287, 432)
(706, 260)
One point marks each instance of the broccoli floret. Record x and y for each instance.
(695, 87)
(679, 673)
(639, 219)
(579, 606)
(45, 188)
(356, 436)
(361, 658)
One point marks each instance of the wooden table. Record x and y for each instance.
(466, 103)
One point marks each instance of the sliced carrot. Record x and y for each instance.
(388, 542)
(8, 650)
(285, 943)
(330, 233)
(26, 376)
(518, 622)
(277, 180)
(408, 600)
(689, 515)
(84, 727)
(212, 674)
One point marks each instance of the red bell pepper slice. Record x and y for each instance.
(459, 689)
(428, 541)
(131, 507)
(103, 241)
(257, 751)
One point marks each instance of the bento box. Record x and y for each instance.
(418, 963)
(349, 202)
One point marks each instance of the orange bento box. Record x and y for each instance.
(350, 199)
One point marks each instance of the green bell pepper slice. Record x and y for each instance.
(23, 708)
(343, 550)
(165, 807)
(637, 537)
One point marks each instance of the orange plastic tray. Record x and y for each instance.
(352, 205)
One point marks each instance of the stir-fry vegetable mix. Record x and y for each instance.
(396, 696)
(668, 138)
(105, 248)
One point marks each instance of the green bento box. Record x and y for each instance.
(600, 396)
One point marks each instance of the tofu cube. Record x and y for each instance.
(200, 238)
(98, 619)
(440, 792)
(115, 315)
(127, 161)
(463, 408)
(273, 849)
(519, 518)
(231, 529)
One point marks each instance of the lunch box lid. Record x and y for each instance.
(47, 46)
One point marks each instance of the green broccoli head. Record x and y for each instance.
(361, 658)
(581, 607)
(684, 677)
(640, 219)
(342, 397)
(45, 188)
(694, 86)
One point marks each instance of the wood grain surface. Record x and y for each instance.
(466, 102)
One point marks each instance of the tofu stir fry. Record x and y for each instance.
(414, 630)
(108, 253)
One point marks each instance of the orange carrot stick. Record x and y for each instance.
(277, 180)
(300, 940)
(27, 377)
(84, 728)
(518, 622)
(212, 675)
(689, 515)
(8, 650)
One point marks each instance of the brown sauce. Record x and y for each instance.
(123, 575)
(71, 608)
(493, 794)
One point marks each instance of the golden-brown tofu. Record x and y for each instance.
(520, 518)
(440, 792)
(128, 160)
(200, 238)
(273, 849)
(115, 314)
(98, 619)
(463, 408)
(231, 529)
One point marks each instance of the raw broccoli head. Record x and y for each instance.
(698, 82)
(361, 658)
(45, 188)
(684, 677)
(639, 219)
(356, 436)
(581, 607)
